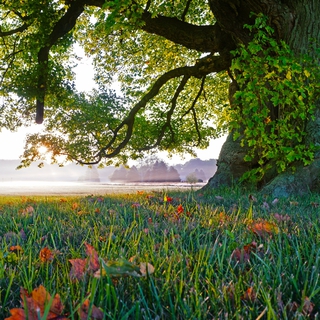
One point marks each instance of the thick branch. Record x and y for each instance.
(209, 38)
(203, 67)
(201, 38)
(11, 32)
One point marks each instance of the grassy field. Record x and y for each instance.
(153, 255)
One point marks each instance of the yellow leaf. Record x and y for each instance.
(289, 75)
(306, 73)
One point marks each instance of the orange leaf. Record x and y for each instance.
(75, 205)
(35, 304)
(263, 228)
(16, 249)
(249, 295)
(16, 314)
(45, 255)
(96, 313)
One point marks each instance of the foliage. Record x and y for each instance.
(213, 254)
(277, 96)
(164, 100)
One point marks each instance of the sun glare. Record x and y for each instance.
(45, 154)
(43, 150)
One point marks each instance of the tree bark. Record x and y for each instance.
(297, 23)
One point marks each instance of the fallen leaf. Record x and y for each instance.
(28, 209)
(136, 205)
(146, 268)
(23, 235)
(263, 228)
(180, 209)
(242, 255)
(78, 268)
(96, 313)
(249, 295)
(75, 205)
(16, 249)
(281, 217)
(315, 204)
(35, 305)
(45, 255)
(94, 263)
(308, 306)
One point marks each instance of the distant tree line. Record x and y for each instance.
(156, 172)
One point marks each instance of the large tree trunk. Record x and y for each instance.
(297, 22)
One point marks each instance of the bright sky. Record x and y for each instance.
(12, 143)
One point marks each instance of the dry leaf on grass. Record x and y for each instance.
(95, 313)
(119, 268)
(263, 228)
(35, 305)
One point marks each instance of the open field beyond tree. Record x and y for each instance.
(159, 255)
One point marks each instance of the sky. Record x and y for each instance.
(12, 143)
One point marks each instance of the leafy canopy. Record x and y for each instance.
(166, 99)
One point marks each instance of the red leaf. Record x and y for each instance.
(94, 264)
(180, 209)
(96, 313)
(81, 266)
(242, 255)
(78, 268)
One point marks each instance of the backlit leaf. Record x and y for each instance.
(263, 228)
(35, 305)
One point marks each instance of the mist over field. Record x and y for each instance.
(80, 180)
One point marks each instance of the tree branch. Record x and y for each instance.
(204, 66)
(11, 32)
(192, 108)
(167, 124)
(186, 9)
(61, 28)
(201, 38)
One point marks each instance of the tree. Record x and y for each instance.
(173, 175)
(119, 174)
(91, 175)
(158, 172)
(133, 175)
(175, 61)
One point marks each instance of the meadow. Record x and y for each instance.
(160, 255)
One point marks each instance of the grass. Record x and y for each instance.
(216, 255)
